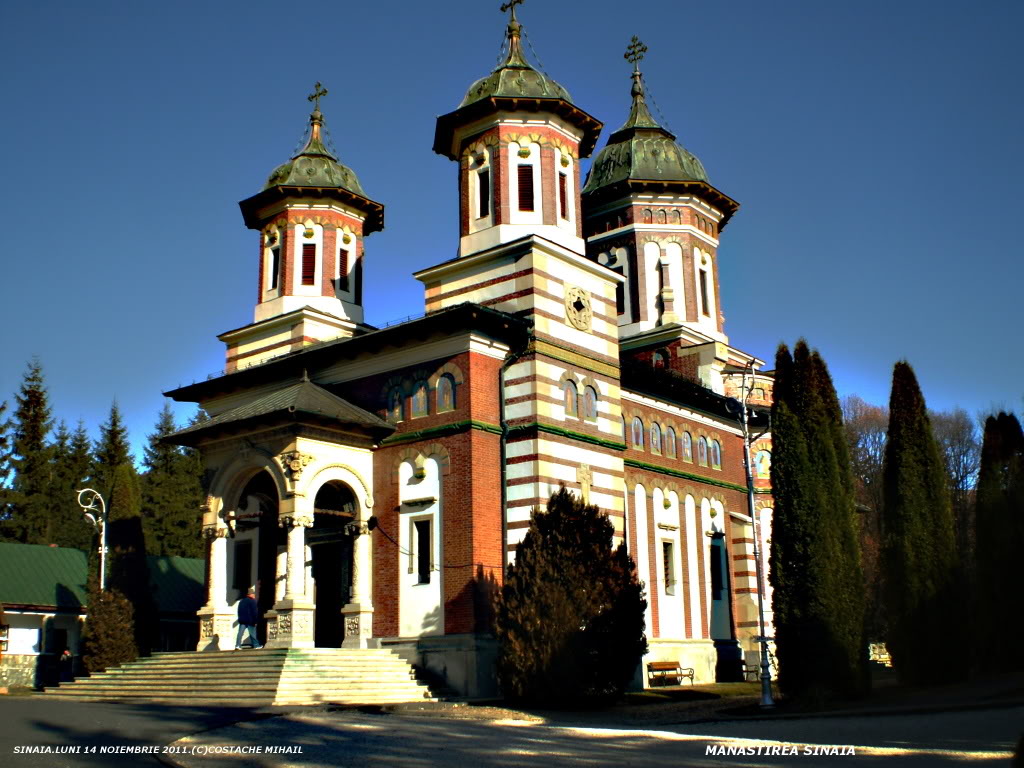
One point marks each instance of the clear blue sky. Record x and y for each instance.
(875, 148)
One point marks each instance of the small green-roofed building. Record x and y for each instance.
(44, 594)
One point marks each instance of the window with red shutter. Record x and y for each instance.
(563, 195)
(526, 188)
(308, 263)
(342, 269)
(483, 189)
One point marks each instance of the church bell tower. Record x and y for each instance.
(312, 216)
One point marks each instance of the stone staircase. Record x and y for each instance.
(268, 676)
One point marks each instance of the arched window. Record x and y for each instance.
(661, 217)
(638, 433)
(395, 405)
(716, 454)
(569, 399)
(420, 406)
(670, 443)
(655, 438)
(590, 403)
(702, 451)
(687, 446)
(660, 359)
(675, 218)
(648, 217)
(763, 464)
(445, 393)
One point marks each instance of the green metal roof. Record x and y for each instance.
(43, 576)
(55, 577)
(315, 165)
(642, 150)
(177, 583)
(302, 398)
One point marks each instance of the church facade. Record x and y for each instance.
(374, 483)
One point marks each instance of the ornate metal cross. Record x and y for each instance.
(318, 92)
(511, 6)
(635, 52)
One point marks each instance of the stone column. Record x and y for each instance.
(290, 624)
(216, 619)
(358, 613)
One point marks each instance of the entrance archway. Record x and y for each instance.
(331, 541)
(259, 500)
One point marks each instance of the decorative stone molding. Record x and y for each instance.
(585, 477)
(451, 369)
(367, 493)
(206, 628)
(214, 532)
(578, 311)
(764, 505)
(293, 463)
(295, 520)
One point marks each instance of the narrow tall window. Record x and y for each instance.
(716, 454)
(620, 294)
(275, 268)
(342, 269)
(445, 393)
(702, 451)
(570, 399)
(563, 195)
(638, 433)
(655, 438)
(687, 446)
(483, 192)
(668, 566)
(526, 188)
(670, 443)
(705, 308)
(308, 263)
(419, 400)
(395, 405)
(422, 551)
(590, 403)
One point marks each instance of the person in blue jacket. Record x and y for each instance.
(248, 615)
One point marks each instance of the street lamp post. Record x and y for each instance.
(95, 510)
(767, 702)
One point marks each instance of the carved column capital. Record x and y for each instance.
(295, 520)
(214, 532)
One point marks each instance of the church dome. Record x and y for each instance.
(642, 150)
(315, 165)
(515, 78)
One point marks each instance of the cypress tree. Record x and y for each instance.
(30, 461)
(570, 616)
(108, 638)
(918, 549)
(128, 569)
(1000, 539)
(171, 494)
(818, 598)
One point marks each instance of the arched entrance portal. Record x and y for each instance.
(331, 541)
(259, 509)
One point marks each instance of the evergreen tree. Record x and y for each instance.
(171, 494)
(918, 549)
(71, 461)
(112, 450)
(29, 509)
(5, 469)
(570, 616)
(1000, 539)
(128, 570)
(818, 598)
(107, 638)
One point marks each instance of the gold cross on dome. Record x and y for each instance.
(318, 92)
(511, 6)
(635, 52)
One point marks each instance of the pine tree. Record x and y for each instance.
(818, 598)
(112, 450)
(918, 549)
(570, 616)
(71, 460)
(5, 469)
(171, 494)
(1000, 539)
(29, 510)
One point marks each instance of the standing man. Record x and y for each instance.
(248, 615)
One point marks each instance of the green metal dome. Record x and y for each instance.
(515, 78)
(642, 150)
(315, 165)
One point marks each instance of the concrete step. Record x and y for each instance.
(262, 677)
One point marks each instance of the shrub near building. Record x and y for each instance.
(570, 616)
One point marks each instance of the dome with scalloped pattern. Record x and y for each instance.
(315, 166)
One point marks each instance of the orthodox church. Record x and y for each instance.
(373, 483)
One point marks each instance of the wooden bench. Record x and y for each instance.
(668, 672)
